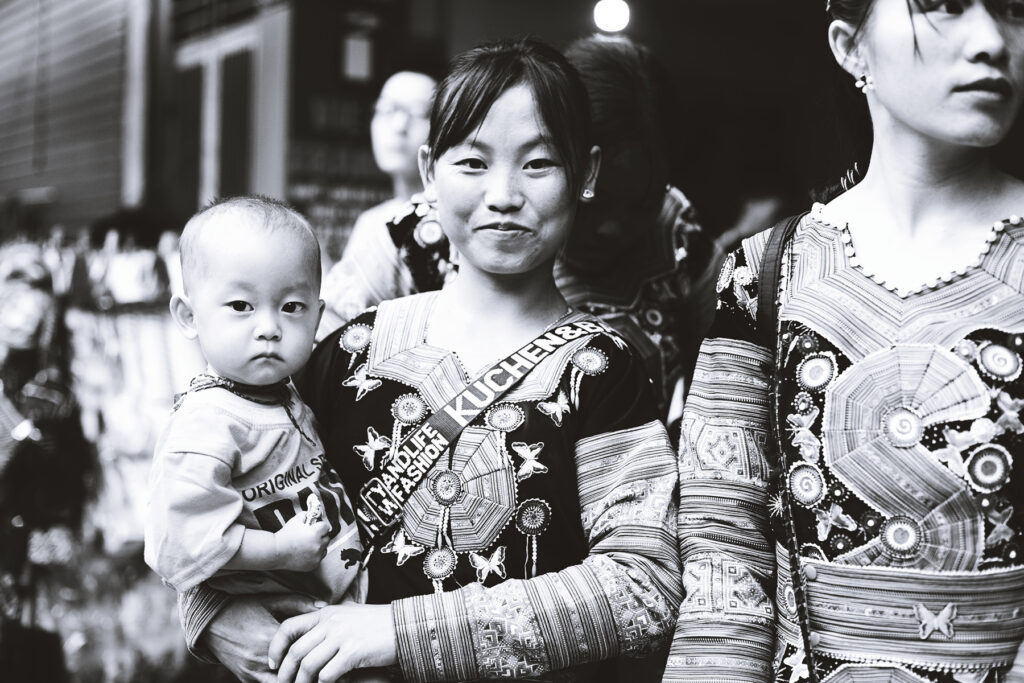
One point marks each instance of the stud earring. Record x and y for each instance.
(587, 195)
(865, 83)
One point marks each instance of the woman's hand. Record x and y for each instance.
(327, 644)
(239, 636)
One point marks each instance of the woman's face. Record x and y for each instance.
(964, 84)
(503, 197)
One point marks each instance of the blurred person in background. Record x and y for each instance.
(851, 502)
(46, 466)
(637, 257)
(372, 268)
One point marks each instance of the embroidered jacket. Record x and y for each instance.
(549, 525)
(891, 473)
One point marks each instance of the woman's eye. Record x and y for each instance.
(540, 164)
(293, 307)
(239, 306)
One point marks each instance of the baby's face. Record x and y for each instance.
(256, 304)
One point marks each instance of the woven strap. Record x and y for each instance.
(768, 329)
(768, 278)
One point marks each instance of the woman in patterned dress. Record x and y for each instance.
(542, 540)
(889, 496)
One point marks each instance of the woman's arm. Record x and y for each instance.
(725, 630)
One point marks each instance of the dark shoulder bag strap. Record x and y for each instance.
(767, 330)
(768, 278)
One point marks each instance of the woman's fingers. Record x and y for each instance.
(311, 665)
(292, 631)
(339, 665)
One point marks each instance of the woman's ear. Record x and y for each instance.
(426, 174)
(842, 39)
(181, 311)
(593, 167)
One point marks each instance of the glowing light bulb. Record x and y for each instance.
(611, 16)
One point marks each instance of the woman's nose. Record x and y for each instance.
(504, 193)
(985, 39)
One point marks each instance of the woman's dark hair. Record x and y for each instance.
(628, 93)
(478, 77)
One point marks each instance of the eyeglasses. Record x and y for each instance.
(386, 108)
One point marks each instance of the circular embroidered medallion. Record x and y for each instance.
(840, 543)
(590, 361)
(725, 275)
(439, 563)
(355, 338)
(533, 516)
(742, 276)
(816, 371)
(409, 409)
(870, 522)
(446, 487)
(427, 233)
(807, 484)
(999, 362)
(803, 403)
(988, 467)
(654, 318)
(789, 600)
(901, 537)
(966, 349)
(807, 343)
(837, 492)
(505, 417)
(902, 427)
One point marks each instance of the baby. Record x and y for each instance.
(240, 493)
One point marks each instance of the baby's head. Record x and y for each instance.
(251, 273)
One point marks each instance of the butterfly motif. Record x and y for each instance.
(374, 443)
(745, 300)
(359, 379)
(1001, 530)
(529, 452)
(834, 517)
(1010, 419)
(803, 437)
(485, 566)
(798, 665)
(931, 622)
(555, 409)
(402, 548)
(953, 459)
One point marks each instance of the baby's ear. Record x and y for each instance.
(181, 311)
(320, 312)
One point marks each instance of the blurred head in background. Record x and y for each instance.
(400, 124)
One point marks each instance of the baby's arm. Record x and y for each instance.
(298, 546)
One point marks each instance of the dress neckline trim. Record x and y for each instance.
(995, 230)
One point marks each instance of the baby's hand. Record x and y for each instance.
(301, 546)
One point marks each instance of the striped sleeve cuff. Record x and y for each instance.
(435, 642)
(196, 609)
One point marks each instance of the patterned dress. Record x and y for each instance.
(894, 484)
